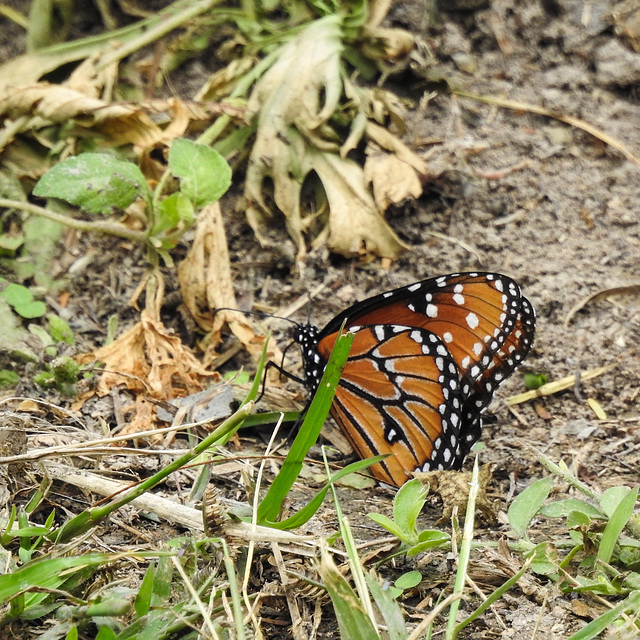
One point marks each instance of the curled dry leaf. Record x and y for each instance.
(206, 285)
(149, 358)
(293, 102)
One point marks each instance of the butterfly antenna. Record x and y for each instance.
(259, 314)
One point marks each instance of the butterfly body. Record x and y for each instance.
(424, 363)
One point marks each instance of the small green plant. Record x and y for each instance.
(62, 373)
(407, 505)
(101, 184)
(22, 300)
(534, 380)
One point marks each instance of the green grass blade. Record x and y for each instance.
(465, 550)
(616, 524)
(308, 511)
(48, 573)
(494, 597)
(597, 626)
(353, 620)
(84, 521)
(308, 434)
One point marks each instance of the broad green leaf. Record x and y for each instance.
(204, 174)
(561, 508)
(429, 540)
(408, 504)
(95, 182)
(525, 505)
(30, 310)
(408, 580)
(16, 294)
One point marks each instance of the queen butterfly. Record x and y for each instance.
(425, 362)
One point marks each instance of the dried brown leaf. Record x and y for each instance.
(206, 284)
(149, 358)
(293, 102)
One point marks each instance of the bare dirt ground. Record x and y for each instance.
(512, 191)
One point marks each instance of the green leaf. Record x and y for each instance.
(544, 559)
(389, 608)
(16, 294)
(534, 380)
(95, 182)
(612, 497)
(8, 378)
(525, 505)
(616, 524)
(408, 504)
(408, 580)
(429, 539)
(388, 524)
(352, 618)
(106, 633)
(174, 214)
(204, 174)
(59, 330)
(35, 309)
(9, 244)
(562, 508)
(49, 573)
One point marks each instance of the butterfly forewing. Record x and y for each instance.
(472, 313)
(398, 393)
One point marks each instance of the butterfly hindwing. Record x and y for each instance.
(399, 394)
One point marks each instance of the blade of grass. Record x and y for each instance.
(355, 565)
(306, 513)
(84, 521)
(494, 597)
(465, 550)
(616, 524)
(597, 626)
(308, 434)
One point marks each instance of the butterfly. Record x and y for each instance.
(425, 362)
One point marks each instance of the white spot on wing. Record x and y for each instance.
(472, 320)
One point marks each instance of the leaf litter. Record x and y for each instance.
(156, 344)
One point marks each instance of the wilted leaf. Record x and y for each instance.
(206, 284)
(294, 101)
(148, 353)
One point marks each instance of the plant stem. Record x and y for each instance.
(81, 225)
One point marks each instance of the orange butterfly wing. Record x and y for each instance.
(398, 395)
